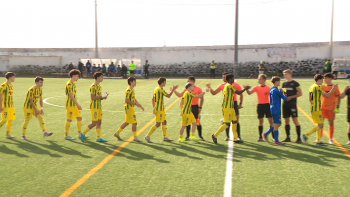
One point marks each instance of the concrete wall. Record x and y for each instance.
(179, 56)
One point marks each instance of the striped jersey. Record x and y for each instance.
(70, 88)
(315, 93)
(7, 95)
(129, 94)
(96, 90)
(187, 102)
(158, 97)
(229, 91)
(35, 94)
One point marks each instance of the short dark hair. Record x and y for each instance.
(318, 77)
(275, 79)
(188, 85)
(161, 80)
(263, 76)
(191, 78)
(97, 74)
(38, 78)
(74, 72)
(225, 73)
(229, 76)
(329, 75)
(9, 74)
(131, 79)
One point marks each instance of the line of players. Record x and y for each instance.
(269, 105)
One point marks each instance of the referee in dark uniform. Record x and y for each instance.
(290, 108)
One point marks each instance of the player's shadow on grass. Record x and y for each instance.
(279, 152)
(172, 151)
(109, 148)
(6, 150)
(27, 146)
(60, 148)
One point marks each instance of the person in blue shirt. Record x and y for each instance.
(111, 70)
(275, 107)
(88, 67)
(94, 69)
(99, 67)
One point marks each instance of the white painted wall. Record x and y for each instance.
(179, 55)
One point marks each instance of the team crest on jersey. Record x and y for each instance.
(95, 115)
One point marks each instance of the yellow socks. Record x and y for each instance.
(66, 128)
(152, 130)
(134, 133)
(25, 124)
(79, 125)
(98, 131)
(234, 130)
(181, 136)
(9, 127)
(42, 123)
(164, 129)
(119, 131)
(313, 130)
(319, 135)
(86, 130)
(2, 123)
(223, 127)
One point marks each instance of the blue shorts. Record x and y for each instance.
(276, 118)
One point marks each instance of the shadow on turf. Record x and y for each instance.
(262, 152)
(27, 146)
(125, 152)
(6, 150)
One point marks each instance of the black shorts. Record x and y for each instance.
(290, 109)
(88, 70)
(235, 106)
(195, 111)
(132, 72)
(348, 114)
(264, 110)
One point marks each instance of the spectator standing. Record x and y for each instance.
(132, 68)
(261, 68)
(146, 70)
(335, 70)
(81, 68)
(328, 66)
(124, 71)
(212, 69)
(88, 68)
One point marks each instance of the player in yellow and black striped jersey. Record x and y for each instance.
(130, 115)
(228, 109)
(186, 112)
(96, 107)
(7, 108)
(72, 106)
(315, 98)
(34, 94)
(158, 109)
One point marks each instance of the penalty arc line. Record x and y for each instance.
(82, 180)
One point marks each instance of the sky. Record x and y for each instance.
(155, 23)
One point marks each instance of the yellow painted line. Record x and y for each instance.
(346, 151)
(82, 180)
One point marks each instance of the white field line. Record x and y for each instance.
(229, 167)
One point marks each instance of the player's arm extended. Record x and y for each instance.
(178, 93)
(153, 104)
(214, 92)
(200, 95)
(240, 92)
(328, 94)
(172, 91)
(250, 92)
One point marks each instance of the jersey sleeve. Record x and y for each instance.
(280, 94)
(337, 91)
(192, 95)
(221, 87)
(92, 90)
(127, 94)
(238, 87)
(164, 93)
(255, 89)
(3, 89)
(31, 93)
(69, 88)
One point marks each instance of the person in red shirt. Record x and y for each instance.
(236, 106)
(196, 106)
(263, 109)
(329, 104)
